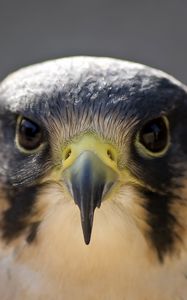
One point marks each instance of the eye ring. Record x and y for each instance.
(29, 135)
(153, 139)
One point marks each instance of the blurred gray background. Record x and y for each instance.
(150, 32)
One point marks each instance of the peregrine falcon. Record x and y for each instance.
(93, 179)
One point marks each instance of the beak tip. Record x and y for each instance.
(87, 241)
(87, 231)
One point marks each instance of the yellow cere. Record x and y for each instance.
(105, 151)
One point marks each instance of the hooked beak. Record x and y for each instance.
(89, 180)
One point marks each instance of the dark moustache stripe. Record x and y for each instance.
(161, 220)
(15, 218)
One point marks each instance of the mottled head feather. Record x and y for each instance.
(107, 97)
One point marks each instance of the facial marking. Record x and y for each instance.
(111, 102)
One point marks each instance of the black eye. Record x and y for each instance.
(154, 135)
(29, 134)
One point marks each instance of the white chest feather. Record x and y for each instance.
(117, 264)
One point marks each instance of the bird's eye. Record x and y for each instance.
(154, 136)
(29, 134)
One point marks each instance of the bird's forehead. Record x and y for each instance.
(87, 84)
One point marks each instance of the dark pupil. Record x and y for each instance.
(29, 134)
(154, 135)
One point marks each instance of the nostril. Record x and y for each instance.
(67, 154)
(110, 155)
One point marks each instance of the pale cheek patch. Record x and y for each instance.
(49, 197)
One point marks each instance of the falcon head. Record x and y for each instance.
(96, 143)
